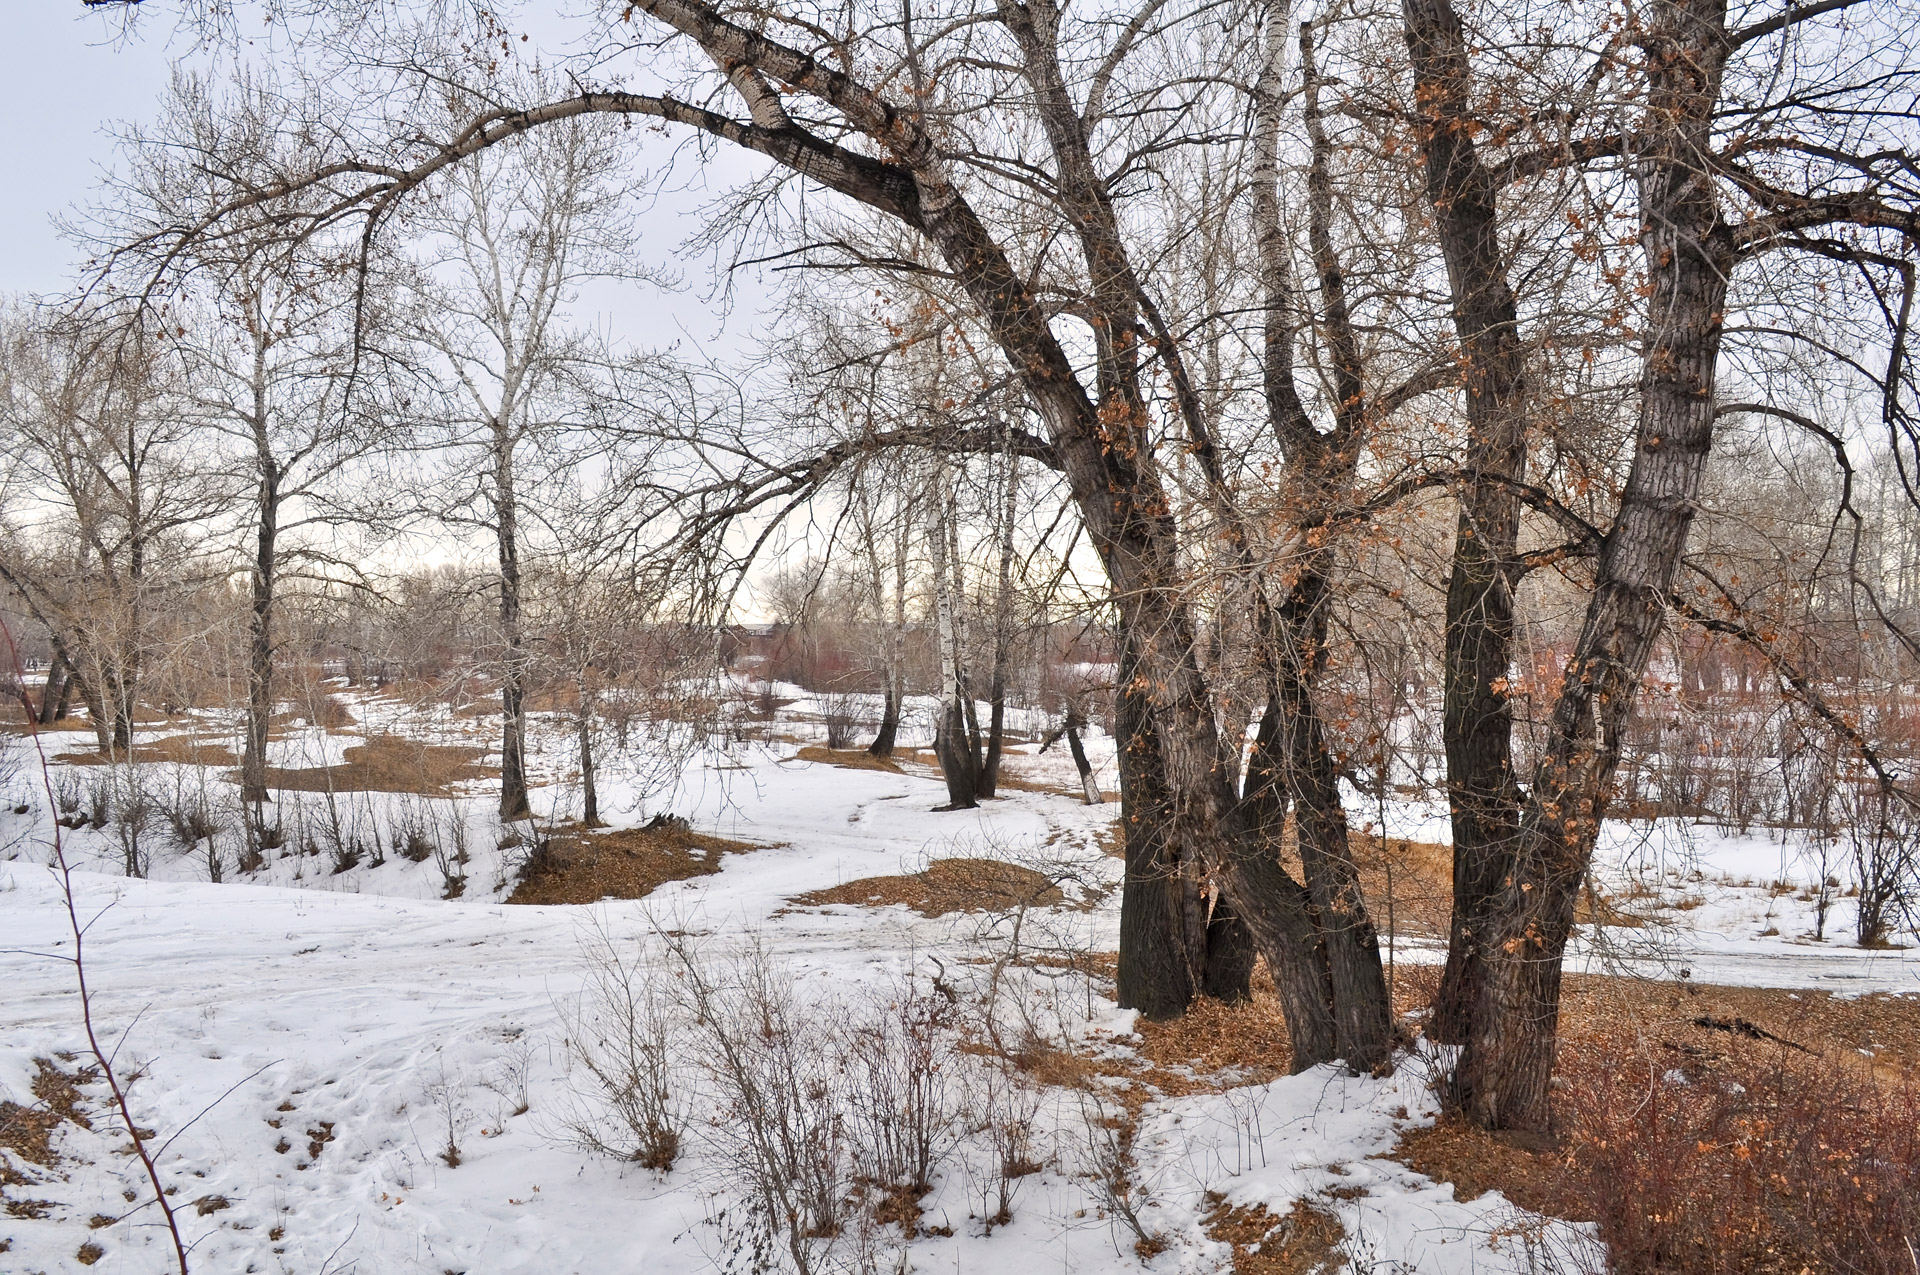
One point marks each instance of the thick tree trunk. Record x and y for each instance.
(1162, 953)
(1506, 1069)
(1362, 1014)
(513, 667)
(1231, 954)
(1477, 722)
(952, 740)
(53, 694)
(889, 731)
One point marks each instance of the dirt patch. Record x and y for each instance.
(847, 758)
(1304, 1242)
(186, 750)
(946, 886)
(578, 866)
(28, 1131)
(389, 763)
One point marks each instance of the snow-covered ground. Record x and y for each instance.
(303, 1039)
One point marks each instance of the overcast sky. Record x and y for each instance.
(70, 77)
(66, 80)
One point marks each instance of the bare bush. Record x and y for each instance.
(845, 716)
(1883, 836)
(451, 1113)
(628, 1101)
(1765, 1161)
(1107, 1131)
(450, 855)
(1006, 1107)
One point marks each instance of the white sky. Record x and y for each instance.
(67, 78)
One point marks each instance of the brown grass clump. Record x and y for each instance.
(1245, 1043)
(947, 885)
(1304, 1242)
(847, 758)
(187, 750)
(585, 867)
(389, 763)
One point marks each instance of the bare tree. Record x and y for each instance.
(516, 232)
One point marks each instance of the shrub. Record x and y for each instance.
(1762, 1160)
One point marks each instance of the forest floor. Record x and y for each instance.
(309, 1036)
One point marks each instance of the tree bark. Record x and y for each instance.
(589, 779)
(253, 756)
(53, 694)
(1506, 1068)
(952, 743)
(513, 668)
(1477, 720)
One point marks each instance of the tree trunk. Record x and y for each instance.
(1506, 1069)
(589, 785)
(1089, 787)
(53, 695)
(1230, 955)
(253, 757)
(1002, 632)
(1477, 721)
(952, 744)
(513, 714)
(883, 742)
(1162, 952)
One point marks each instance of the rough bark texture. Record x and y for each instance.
(1477, 722)
(54, 693)
(1507, 1067)
(1231, 954)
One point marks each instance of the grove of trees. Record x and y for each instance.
(1504, 401)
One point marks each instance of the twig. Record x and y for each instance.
(65, 873)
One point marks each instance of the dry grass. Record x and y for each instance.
(847, 758)
(1421, 876)
(28, 1131)
(1220, 1044)
(16, 724)
(1806, 1056)
(1304, 1242)
(389, 763)
(186, 750)
(946, 886)
(578, 866)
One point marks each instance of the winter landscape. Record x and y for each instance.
(1207, 636)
